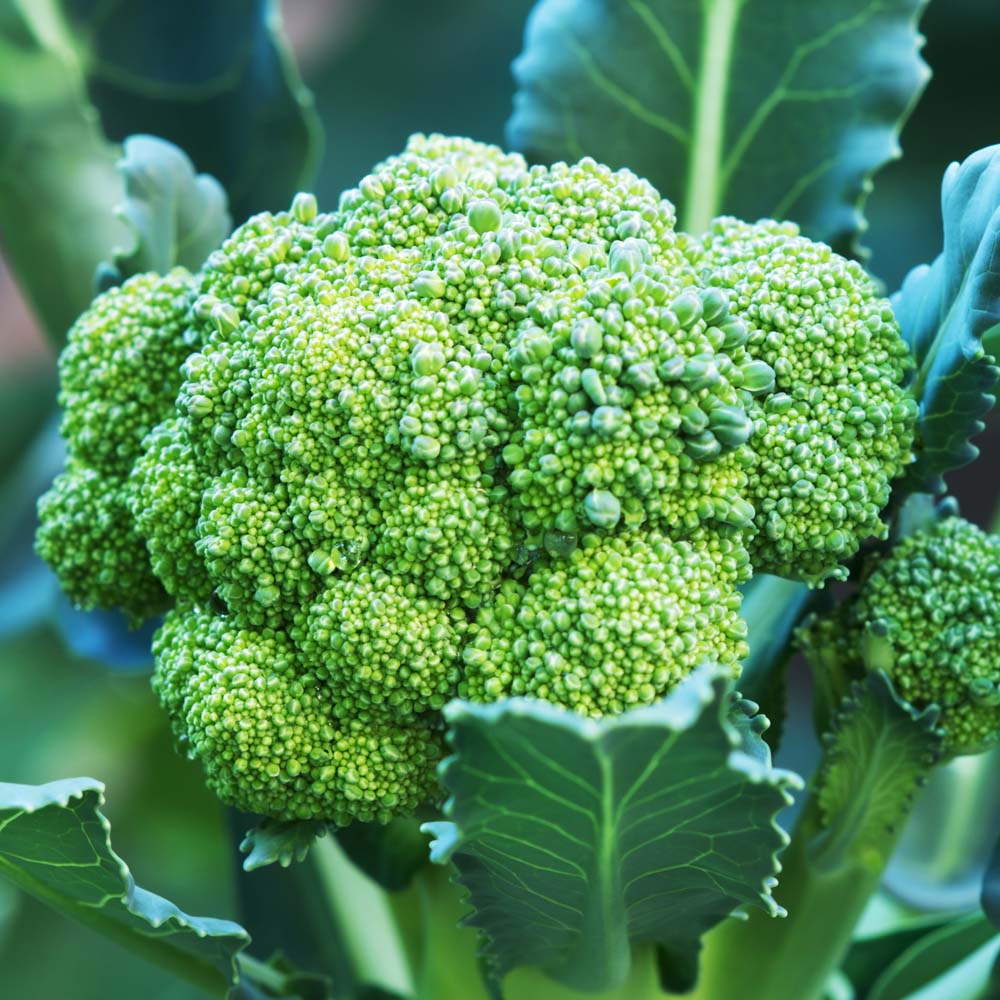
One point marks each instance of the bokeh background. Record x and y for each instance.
(378, 70)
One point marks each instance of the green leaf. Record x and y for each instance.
(281, 841)
(933, 955)
(990, 896)
(878, 754)
(57, 170)
(577, 837)
(389, 854)
(175, 215)
(948, 311)
(746, 107)
(55, 844)
(216, 78)
(869, 956)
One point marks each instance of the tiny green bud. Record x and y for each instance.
(602, 508)
(304, 207)
(485, 216)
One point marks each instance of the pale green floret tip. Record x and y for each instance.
(486, 429)
(929, 616)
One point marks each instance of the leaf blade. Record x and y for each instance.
(708, 111)
(948, 310)
(556, 825)
(55, 844)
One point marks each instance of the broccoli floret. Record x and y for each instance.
(839, 426)
(263, 725)
(616, 624)
(928, 615)
(486, 429)
(87, 535)
(119, 376)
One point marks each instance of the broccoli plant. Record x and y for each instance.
(478, 514)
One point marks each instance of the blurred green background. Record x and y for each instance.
(378, 70)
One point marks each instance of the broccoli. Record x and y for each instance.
(928, 615)
(486, 429)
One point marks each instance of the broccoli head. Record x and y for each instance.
(486, 429)
(928, 615)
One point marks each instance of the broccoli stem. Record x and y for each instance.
(365, 921)
(792, 958)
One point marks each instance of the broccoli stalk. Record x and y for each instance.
(907, 677)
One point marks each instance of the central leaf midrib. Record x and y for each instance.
(702, 194)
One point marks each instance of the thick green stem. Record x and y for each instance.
(792, 958)
(365, 921)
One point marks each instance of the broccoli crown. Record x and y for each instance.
(486, 429)
(928, 614)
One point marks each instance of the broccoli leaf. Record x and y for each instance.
(281, 841)
(176, 216)
(948, 311)
(878, 754)
(576, 837)
(747, 107)
(390, 854)
(57, 170)
(216, 78)
(937, 953)
(55, 844)
(990, 894)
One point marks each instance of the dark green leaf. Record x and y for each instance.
(176, 216)
(55, 843)
(748, 107)
(213, 76)
(58, 182)
(879, 751)
(869, 957)
(576, 837)
(281, 841)
(948, 311)
(390, 854)
(990, 897)
(931, 956)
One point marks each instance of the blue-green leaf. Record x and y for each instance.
(175, 215)
(879, 751)
(948, 311)
(749, 107)
(58, 182)
(935, 954)
(55, 844)
(577, 837)
(216, 78)
(274, 841)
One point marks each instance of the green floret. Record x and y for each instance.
(119, 371)
(929, 616)
(616, 624)
(839, 426)
(632, 396)
(384, 646)
(88, 537)
(119, 375)
(263, 727)
(164, 496)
